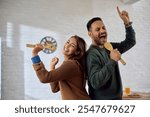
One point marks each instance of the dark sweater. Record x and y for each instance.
(103, 73)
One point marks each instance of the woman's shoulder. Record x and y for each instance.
(72, 62)
(73, 65)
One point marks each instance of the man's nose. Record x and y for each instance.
(102, 31)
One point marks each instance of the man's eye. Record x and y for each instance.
(97, 29)
(104, 28)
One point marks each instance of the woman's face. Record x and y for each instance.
(70, 47)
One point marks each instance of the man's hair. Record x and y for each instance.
(90, 22)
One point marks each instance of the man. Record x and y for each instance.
(103, 74)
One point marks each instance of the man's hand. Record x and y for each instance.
(115, 55)
(124, 16)
(37, 49)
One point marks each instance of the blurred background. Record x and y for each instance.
(28, 21)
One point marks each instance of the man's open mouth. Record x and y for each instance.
(102, 37)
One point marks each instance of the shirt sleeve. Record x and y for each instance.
(129, 41)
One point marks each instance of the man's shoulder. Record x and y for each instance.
(92, 51)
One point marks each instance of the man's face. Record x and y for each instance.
(98, 33)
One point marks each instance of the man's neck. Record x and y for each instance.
(100, 46)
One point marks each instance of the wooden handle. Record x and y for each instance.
(122, 61)
(30, 45)
(50, 47)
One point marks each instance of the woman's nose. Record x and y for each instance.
(67, 45)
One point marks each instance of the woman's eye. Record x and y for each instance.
(67, 42)
(73, 46)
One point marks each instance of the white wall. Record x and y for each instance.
(27, 21)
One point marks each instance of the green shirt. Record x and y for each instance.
(103, 73)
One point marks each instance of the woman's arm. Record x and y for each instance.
(54, 85)
(65, 71)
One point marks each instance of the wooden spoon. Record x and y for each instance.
(49, 46)
(109, 47)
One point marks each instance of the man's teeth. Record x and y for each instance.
(102, 36)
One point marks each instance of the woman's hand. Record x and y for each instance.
(124, 16)
(54, 61)
(37, 49)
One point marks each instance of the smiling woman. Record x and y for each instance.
(69, 78)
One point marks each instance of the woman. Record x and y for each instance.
(69, 78)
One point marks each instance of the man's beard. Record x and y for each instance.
(97, 41)
(100, 40)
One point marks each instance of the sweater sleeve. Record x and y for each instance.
(129, 41)
(98, 74)
(67, 69)
(55, 86)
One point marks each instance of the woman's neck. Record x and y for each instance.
(66, 58)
